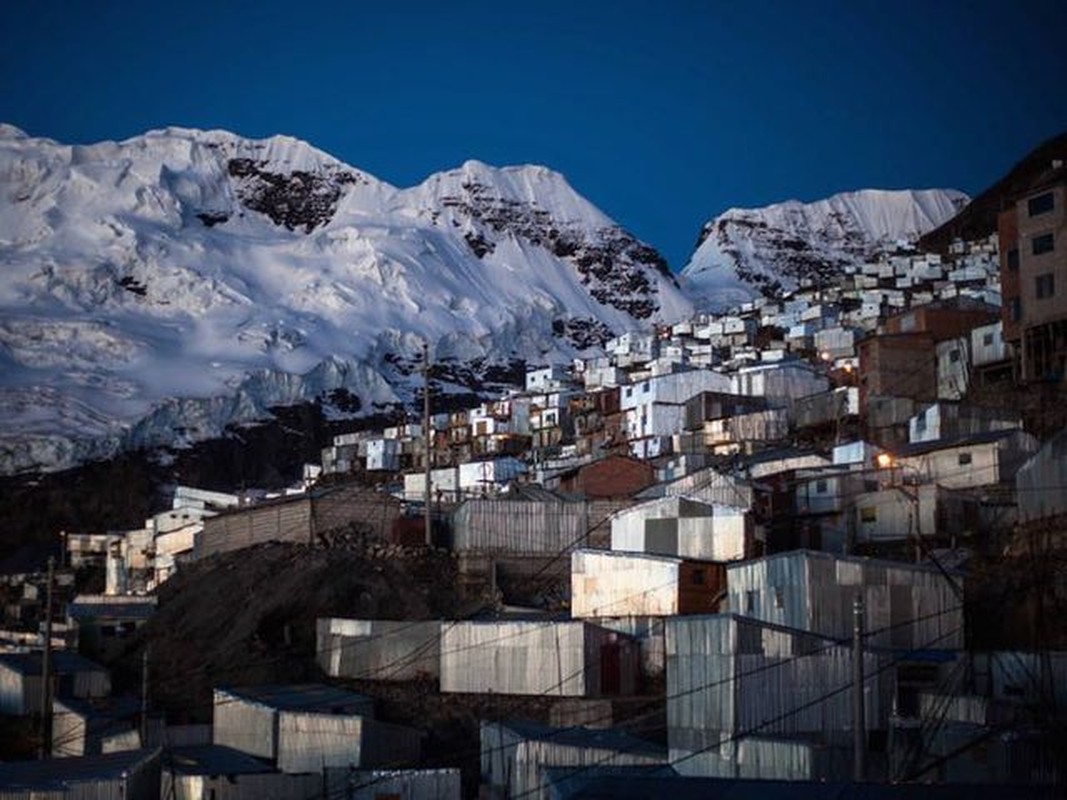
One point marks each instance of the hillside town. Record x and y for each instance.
(765, 544)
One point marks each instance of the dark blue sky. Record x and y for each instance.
(662, 113)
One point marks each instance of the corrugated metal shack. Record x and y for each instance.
(133, 775)
(382, 650)
(557, 658)
(362, 512)
(687, 528)
(709, 486)
(716, 405)
(247, 718)
(907, 605)
(201, 772)
(514, 754)
(530, 521)
(20, 680)
(727, 675)
(93, 727)
(611, 584)
(310, 741)
(398, 784)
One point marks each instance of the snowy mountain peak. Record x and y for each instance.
(166, 286)
(8, 131)
(743, 252)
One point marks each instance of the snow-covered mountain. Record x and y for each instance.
(158, 289)
(744, 252)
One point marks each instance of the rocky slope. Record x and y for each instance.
(744, 252)
(159, 289)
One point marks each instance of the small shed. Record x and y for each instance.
(685, 527)
(614, 584)
(132, 775)
(247, 718)
(908, 605)
(91, 727)
(382, 650)
(515, 754)
(75, 676)
(197, 772)
(550, 657)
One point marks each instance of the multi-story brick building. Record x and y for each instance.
(1033, 268)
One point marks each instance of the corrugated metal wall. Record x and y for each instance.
(616, 584)
(543, 658)
(728, 677)
(242, 787)
(413, 784)
(244, 725)
(519, 527)
(379, 649)
(512, 764)
(906, 606)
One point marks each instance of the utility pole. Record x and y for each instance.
(428, 437)
(45, 749)
(859, 711)
(144, 696)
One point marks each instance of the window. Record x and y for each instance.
(1013, 259)
(868, 514)
(1016, 309)
(964, 459)
(953, 356)
(1044, 286)
(920, 423)
(1043, 244)
(987, 340)
(820, 487)
(907, 323)
(750, 602)
(779, 598)
(1041, 204)
(698, 577)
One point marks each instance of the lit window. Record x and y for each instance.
(1043, 244)
(964, 459)
(1041, 204)
(869, 514)
(1044, 286)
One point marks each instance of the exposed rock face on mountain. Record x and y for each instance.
(159, 289)
(745, 252)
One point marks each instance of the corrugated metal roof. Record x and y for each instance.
(62, 661)
(132, 611)
(599, 738)
(56, 773)
(212, 759)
